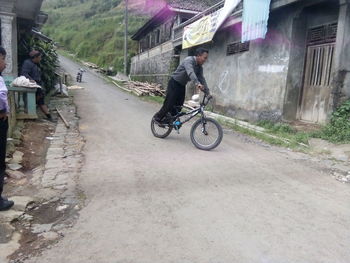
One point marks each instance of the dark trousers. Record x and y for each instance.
(3, 140)
(40, 96)
(174, 99)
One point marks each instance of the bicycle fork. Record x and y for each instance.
(204, 123)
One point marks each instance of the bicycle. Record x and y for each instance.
(80, 75)
(206, 133)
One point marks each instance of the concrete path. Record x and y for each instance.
(163, 201)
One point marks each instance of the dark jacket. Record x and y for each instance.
(189, 70)
(31, 71)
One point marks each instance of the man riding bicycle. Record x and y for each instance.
(189, 70)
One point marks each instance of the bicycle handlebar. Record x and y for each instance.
(206, 98)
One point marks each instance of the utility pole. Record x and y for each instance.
(126, 39)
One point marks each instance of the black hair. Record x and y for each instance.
(2, 51)
(200, 51)
(34, 54)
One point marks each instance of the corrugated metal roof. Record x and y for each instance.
(195, 5)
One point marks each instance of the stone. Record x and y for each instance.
(21, 202)
(53, 163)
(59, 227)
(20, 124)
(6, 231)
(61, 208)
(49, 235)
(10, 215)
(10, 148)
(17, 157)
(16, 134)
(15, 174)
(17, 142)
(38, 229)
(14, 166)
(27, 217)
(60, 187)
(54, 199)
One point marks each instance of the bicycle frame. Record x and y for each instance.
(193, 113)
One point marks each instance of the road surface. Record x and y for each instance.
(163, 201)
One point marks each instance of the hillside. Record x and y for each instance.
(94, 29)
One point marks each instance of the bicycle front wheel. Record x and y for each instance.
(160, 130)
(206, 134)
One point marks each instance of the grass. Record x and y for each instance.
(286, 131)
(296, 142)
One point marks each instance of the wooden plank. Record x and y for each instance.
(63, 119)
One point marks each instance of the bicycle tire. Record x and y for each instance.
(214, 128)
(159, 131)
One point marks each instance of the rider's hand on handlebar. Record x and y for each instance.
(200, 87)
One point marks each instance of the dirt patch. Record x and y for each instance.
(41, 227)
(34, 143)
(45, 221)
(305, 127)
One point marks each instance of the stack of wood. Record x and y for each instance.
(90, 65)
(145, 88)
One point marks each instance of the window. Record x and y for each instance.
(322, 34)
(237, 47)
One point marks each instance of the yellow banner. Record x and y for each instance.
(201, 31)
(204, 29)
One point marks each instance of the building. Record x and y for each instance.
(300, 71)
(156, 56)
(17, 17)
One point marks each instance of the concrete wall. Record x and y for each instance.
(265, 83)
(154, 65)
(341, 84)
(8, 23)
(251, 85)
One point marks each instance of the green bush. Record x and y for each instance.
(338, 129)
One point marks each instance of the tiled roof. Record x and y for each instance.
(195, 5)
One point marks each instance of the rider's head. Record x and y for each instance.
(201, 55)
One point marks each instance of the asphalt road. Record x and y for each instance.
(163, 201)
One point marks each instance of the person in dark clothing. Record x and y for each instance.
(31, 70)
(4, 111)
(189, 70)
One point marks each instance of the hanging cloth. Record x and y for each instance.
(255, 18)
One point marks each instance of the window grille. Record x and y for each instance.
(237, 47)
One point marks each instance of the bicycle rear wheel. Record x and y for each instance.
(206, 134)
(160, 130)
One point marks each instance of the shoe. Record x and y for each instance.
(6, 205)
(3, 198)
